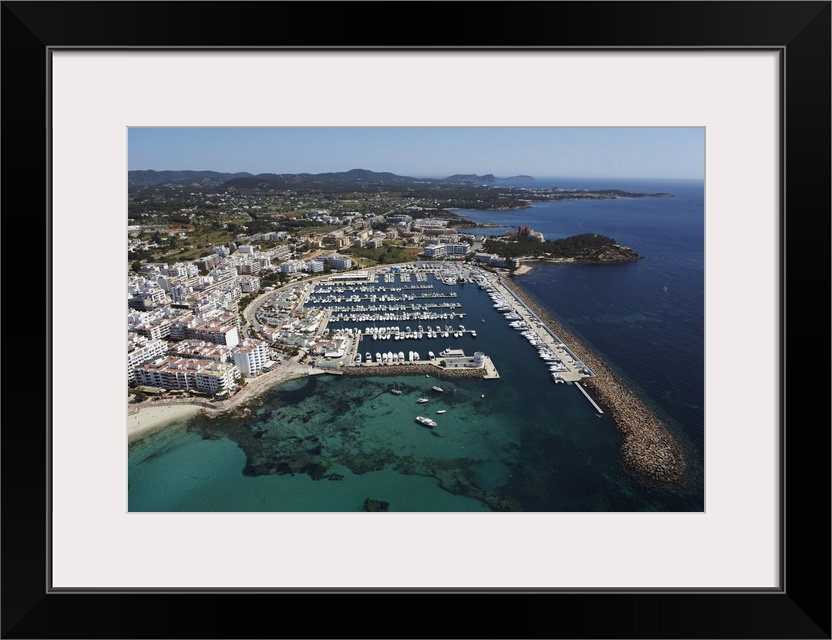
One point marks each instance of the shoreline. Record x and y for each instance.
(151, 416)
(142, 421)
(647, 447)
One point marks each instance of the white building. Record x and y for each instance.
(153, 330)
(201, 350)
(251, 356)
(139, 351)
(339, 262)
(249, 283)
(220, 330)
(208, 376)
(442, 250)
(293, 266)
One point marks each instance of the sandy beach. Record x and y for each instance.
(146, 419)
(522, 269)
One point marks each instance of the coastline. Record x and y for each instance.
(143, 421)
(151, 416)
(523, 269)
(648, 448)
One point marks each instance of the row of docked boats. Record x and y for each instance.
(555, 365)
(347, 315)
(396, 333)
(388, 357)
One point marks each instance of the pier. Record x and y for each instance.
(588, 397)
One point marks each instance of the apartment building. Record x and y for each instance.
(201, 350)
(252, 357)
(170, 372)
(220, 330)
(141, 350)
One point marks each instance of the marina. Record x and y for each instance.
(339, 329)
(383, 306)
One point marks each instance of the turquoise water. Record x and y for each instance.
(329, 443)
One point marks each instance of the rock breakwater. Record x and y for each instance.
(648, 449)
(414, 369)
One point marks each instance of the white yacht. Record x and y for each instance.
(425, 422)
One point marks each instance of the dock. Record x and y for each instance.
(490, 370)
(588, 397)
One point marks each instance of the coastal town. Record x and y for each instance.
(213, 332)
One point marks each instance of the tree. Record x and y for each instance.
(137, 266)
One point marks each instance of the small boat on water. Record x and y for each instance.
(441, 411)
(395, 390)
(421, 400)
(425, 422)
(435, 388)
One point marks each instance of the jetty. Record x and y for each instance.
(589, 397)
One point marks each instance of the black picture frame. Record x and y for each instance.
(799, 31)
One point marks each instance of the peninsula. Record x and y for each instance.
(527, 245)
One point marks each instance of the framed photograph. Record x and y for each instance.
(753, 78)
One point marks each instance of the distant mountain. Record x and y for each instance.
(159, 177)
(249, 181)
(363, 175)
(470, 177)
(280, 180)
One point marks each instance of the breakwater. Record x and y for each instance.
(647, 448)
(414, 369)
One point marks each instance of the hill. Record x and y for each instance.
(137, 178)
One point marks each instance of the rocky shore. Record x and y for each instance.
(648, 448)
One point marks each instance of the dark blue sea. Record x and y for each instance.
(517, 443)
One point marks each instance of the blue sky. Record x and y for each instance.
(599, 152)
